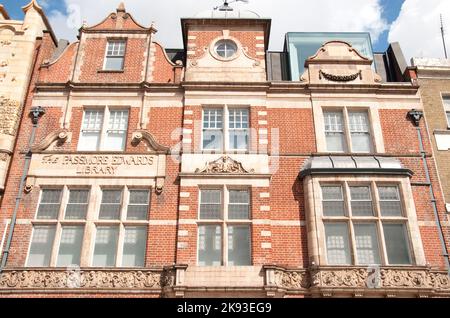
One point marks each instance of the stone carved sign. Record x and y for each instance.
(224, 165)
(86, 279)
(100, 165)
(9, 116)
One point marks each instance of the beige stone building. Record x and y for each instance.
(434, 79)
(19, 43)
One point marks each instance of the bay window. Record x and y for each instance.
(364, 224)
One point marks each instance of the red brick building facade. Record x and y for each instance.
(148, 177)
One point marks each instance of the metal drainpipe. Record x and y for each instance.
(36, 113)
(416, 116)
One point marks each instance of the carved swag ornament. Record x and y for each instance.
(340, 78)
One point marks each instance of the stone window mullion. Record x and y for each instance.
(92, 215)
(347, 133)
(55, 246)
(351, 231)
(226, 129)
(120, 243)
(104, 128)
(123, 216)
(225, 201)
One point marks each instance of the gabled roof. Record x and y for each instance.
(120, 20)
(33, 4)
(4, 12)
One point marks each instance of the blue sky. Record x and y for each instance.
(413, 23)
(391, 9)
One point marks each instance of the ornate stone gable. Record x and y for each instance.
(337, 62)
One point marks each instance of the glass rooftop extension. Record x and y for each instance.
(302, 45)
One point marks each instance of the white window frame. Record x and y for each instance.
(122, 222)
(90, 223)
(225, 144)
(446, 104)
(377, 219)
(224, 222)
(346, 128)
(59, 223)
(111, 40)
(226, 42)
(105, 125)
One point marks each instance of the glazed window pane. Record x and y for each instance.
(361, 201)
(209, 245)
(138, 205)
(333, 201)
(77, 205)
(211, 204)
(70, 246)
(41, 246)
(367, 248)
(239, 245)
(334, 131)
(239, 205)
(134, 246)
(337, 242)
(397, 244)
(111, 204)
(390, 204)
(105, 246)
(50, 204)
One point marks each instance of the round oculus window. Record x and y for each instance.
(226, 48)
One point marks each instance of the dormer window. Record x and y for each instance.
(115, 55)
(226, 49)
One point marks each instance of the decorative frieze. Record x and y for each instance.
(10, 111)
(86, 279)
(348, 281)
(4, 156)
(366, 278)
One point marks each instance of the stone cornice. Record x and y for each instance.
(107, 86)
(269, 87)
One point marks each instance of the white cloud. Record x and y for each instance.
(44, 3)
(417, 28)
(287, 15)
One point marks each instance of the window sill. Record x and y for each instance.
(110, 71)
(225, 152)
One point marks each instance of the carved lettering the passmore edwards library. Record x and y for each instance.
(98, 164)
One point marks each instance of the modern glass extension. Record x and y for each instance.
(302, 45)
